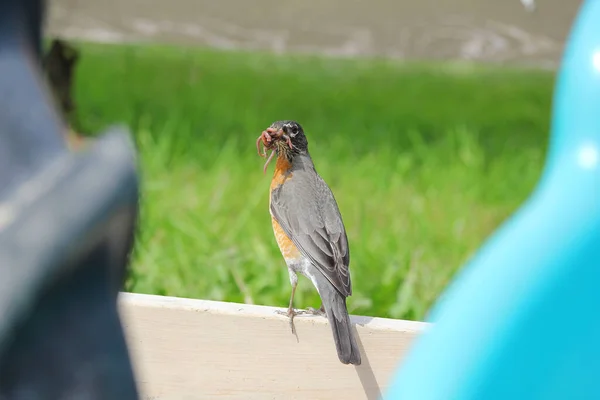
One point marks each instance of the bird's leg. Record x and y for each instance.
(320, 311)
(291, 313)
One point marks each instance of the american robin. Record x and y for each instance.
(309, 230)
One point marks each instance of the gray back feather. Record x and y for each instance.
(307, 211)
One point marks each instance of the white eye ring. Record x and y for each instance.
(291, 130)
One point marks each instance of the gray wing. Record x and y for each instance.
(308, 213)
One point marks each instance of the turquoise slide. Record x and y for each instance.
(522, 319)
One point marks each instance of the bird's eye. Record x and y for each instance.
(293, 131)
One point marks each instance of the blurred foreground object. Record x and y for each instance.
(59, 65)
(521, 321)
(66, 230)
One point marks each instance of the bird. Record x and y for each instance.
(309, 231)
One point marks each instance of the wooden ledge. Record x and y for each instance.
(197, 349)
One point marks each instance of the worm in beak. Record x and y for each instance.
(266, 138)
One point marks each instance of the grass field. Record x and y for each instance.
(425, 162)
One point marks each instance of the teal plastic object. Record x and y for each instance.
(522, 320)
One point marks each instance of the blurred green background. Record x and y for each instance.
(425, 161)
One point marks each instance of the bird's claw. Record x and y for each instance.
(314, 311)
(291, 313)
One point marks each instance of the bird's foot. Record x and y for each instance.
(313, 311)
(291, 313)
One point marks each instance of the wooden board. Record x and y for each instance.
(196, 349)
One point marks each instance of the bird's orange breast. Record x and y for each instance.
(283, 172)
(286, 246)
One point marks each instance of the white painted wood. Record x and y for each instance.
(196, 349)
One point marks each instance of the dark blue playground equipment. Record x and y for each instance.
(66, 230)
(522, 321)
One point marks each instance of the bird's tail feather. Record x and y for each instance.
(337, 314)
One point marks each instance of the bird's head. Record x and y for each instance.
(285, 133)
(284, 139)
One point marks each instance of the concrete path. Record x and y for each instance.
(499, 31)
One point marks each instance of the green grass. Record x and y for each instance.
(425, 162)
